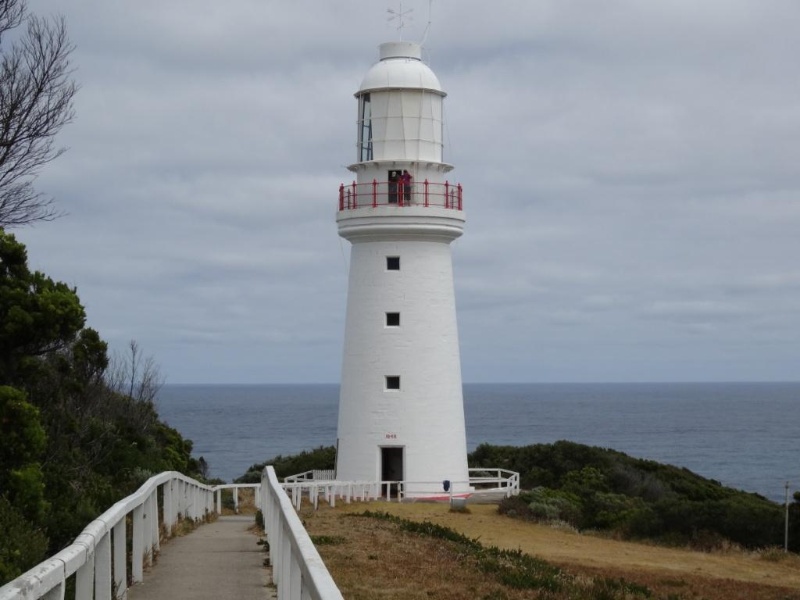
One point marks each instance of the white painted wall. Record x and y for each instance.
(426, 416)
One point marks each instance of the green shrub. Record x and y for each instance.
(604, 489)
(322, 458)
(554, 505)
(22, 545)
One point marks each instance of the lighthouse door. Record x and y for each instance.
(392, 467)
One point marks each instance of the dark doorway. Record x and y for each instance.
(392, 467)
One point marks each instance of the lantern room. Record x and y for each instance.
(400, 108)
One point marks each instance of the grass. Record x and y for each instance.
(327, 540)
(514, 569)
(408, 555)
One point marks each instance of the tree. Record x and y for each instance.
(22, 504)
(24, 442)
(77, 432)
(37, 315)
(36, 92)
(134, 375)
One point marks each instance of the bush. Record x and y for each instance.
(604, 489)
(322, 458)
(554, 505)
(22, 545)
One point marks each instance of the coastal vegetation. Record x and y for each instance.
(610, 493)
(604, 490)
(321, 458)
(79, 428)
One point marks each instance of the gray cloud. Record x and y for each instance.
(631, 192)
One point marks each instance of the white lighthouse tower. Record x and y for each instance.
(401, 411)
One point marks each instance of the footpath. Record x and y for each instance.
(218, 561)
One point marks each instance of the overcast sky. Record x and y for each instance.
(630, 173)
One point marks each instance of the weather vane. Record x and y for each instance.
(401, 16)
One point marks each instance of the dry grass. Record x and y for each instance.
(375, 559)
(247, 501)
(185, 526)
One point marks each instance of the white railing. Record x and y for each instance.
(314, 475)
(89, 557)
(297, 569)
(235, 487)
(361, 491)
(484, 484)
(495, 479)
(98, 557)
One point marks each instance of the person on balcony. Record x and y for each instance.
(405, 180)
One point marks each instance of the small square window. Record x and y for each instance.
(392, 319)
(392, 263)
(392, 382)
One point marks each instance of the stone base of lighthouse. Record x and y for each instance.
(401, 412)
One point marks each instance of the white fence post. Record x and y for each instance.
(120, 560)
(102, 568)
(57, 593)
(155, 527)
(137, 552)
(84, 577)
(169, 512)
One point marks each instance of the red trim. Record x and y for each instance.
(385, 193)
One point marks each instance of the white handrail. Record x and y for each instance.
(89, 557)
(502, 478)
(235, 487)
(312, 475)
(297, 569)
(482, 481)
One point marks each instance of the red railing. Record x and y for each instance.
(391, 193)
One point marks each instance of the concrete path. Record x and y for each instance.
(217, 561)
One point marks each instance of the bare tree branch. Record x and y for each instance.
(12, 12)
(36, 93)
(134, 375)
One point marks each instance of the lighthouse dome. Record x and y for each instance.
(400, 66)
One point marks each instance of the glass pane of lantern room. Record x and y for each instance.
(365, 128)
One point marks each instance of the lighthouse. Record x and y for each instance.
(401, 409)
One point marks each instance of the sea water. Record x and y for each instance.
(745, 435)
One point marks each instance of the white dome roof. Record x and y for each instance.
(400, 66)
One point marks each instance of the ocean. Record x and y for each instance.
(745, 435)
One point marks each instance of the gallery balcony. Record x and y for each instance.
(396, 194)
